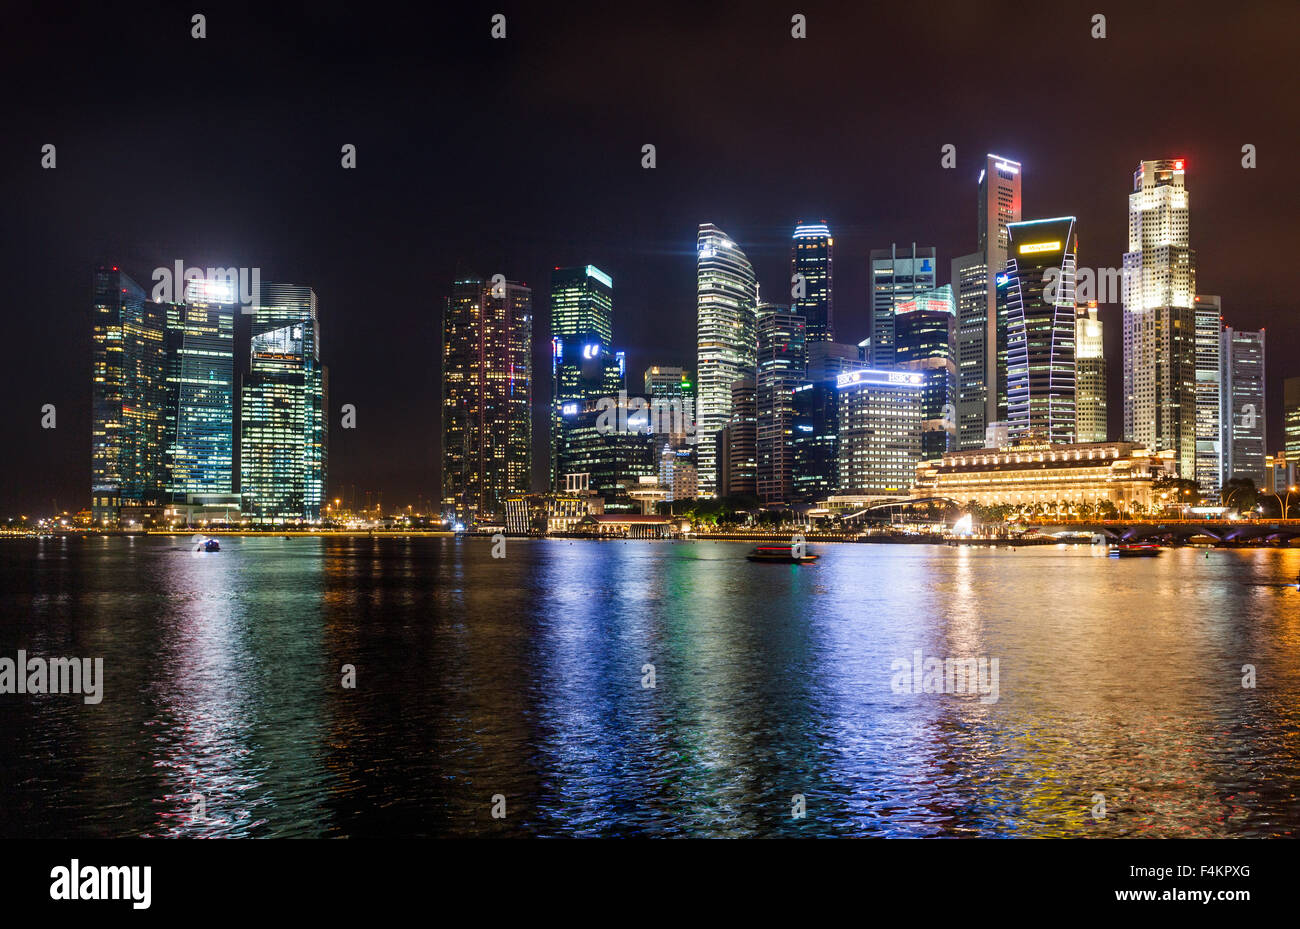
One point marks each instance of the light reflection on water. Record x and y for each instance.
(524, 677)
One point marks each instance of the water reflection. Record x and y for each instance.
(527, 678)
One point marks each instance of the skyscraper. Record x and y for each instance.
(879, 421)
(727, 297)
(895, 275)
(815, 440)
(781, 365)
(811, 257)
(1209, 451)
(1036, 295)
(1241, 416)
(585, 367)
(1291, 417)
(128, 397)
(199, 442)
(1159, 315)
(975, 291)
(1089, 375)
(737, 454)
(284, 448)
(925, 329)
(487, 383)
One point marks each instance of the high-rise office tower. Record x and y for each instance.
(925, 330)
(727, 297)
(974, 283)
(816, 468)
(828, 360)
(671, 393)
(895, 275)
(879, 419)
(128, 397)
(585, 367)
(737, 446)
(199, 443)
(1089, 375)
(1241, 413)
(1036, 296)
(284, 446)
(1160, 315)
(1291, 417)
(487, 382)
(811, 257)
(781, 365)
(1209, 451)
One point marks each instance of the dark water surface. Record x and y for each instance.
(523, 677)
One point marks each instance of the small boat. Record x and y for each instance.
(210, 545)
(1138, 550)
(780, 554)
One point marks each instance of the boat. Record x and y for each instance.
(210, 545)
(781, 554)
(1137, 550)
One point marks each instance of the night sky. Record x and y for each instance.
(514, 156)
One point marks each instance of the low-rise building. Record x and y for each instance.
(1036, 472)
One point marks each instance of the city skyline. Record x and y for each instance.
(869, 195)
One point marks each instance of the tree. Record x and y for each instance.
(1239, 492)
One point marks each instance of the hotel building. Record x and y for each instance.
(1042, 473)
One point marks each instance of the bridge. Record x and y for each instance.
(1225, 531)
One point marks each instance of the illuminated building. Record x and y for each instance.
(1282, 475)
(1047, 474)
(925, 329)
(1159, 315)
(727, 297)
(737, 451)
(780, 369)
(1291, 417)
(828, 360)
(487, 382)
(199, 444)
(1209, 457)
(551, 512)
(128, 397)
(1089, 375)
(609, 441)
(678, 475)
(973, 283)
(879, 420)
(1036, 297)
(895, 277)
(815, 440)
(584, 364)
(283, 434)
(1241, 412)
(671, 393)
(811, 256)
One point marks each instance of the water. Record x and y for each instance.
(523, 677)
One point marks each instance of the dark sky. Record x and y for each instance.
(517, 155)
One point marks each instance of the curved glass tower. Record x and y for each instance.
(727, 320)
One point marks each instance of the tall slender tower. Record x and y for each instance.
(584, 365)
(284, 447)
(811, 257)
(1241, 414)
(1090, 375)
(896, 275)
(727, 298)
(1159, 315)
(1209, 448)
(128, 396)
(1037, 291)
(200, 340)
(487, 389)
(781, 365)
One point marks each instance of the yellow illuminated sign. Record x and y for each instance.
(1040, 247)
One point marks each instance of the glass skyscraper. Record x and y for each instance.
(283, 407)
(1209, 448)
(727, 298)
(1040, 327)
(584, 366)
(1241, 413)
(925, 329)
(781, 367)
(128, 397)
(1089, 375)
(895, 275)
(811, 256)
(200, 342)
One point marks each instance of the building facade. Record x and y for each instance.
(1242, 417)
(896, 275)
(737, 448)
(199, 443)
(781, 366)
(1209, 454)
(585, 366)
(1159, 314)
(879, 418)
(487, 382)
(812, 273)
(925, 332)
(727, 300)
(1036, 297)
(1089, 375)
